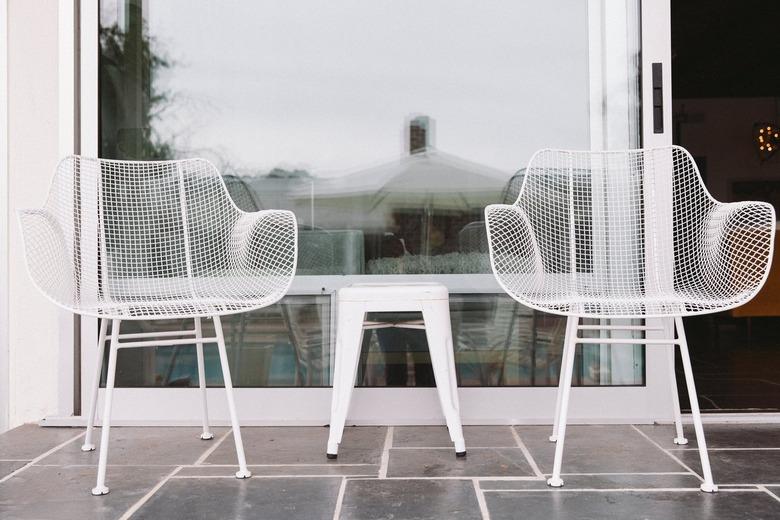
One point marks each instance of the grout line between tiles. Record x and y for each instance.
(212, 448)
(340, 499)
(512, 479)
(481, 500)
(769, 492)
(449, 447)
(42, 456)
(625, 473)
(526, 453)
(618, 490)
(195, 477)
(386, 452)
(725, 449)
(670, 454)
(135, 507)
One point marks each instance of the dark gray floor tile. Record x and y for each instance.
(438, 436)
(480, 462)
(409, 500)
(601, 482)
(9, 466)
(598, 449)
(266, 499)
(144, 446)
(356, 470)
(738, 466)
(303, 445)
(646, 505)
(64, 492)
(718, 435)
(29, 440)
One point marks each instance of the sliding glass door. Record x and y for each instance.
(386, 127)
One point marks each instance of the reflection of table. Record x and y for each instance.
(767, 301)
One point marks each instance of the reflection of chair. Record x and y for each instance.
(642, 238)
(241, 194)
(126, 240)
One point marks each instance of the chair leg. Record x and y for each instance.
(348, 345)
(680, 437)
(438, 330)
(242, 472)
(566, 373)
(566, 340)
(101, 346)
(708, 485)
(100, 487)
(206, 435)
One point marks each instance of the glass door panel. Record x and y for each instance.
(387, 127)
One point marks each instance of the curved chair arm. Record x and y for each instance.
(47, 255)
(265, 243)
(514, 251)
(738, 243)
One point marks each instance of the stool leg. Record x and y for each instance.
(438, 330)
(349, 329)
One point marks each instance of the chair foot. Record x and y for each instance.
(206, 436)
(87, 447)
(333, 450)
(243, 473)
(709, 488)
(460, 454)
(553, 438)
(460, 447)
(100, 490)
(555, 482)
(680, 441)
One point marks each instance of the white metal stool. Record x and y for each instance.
(353, 303)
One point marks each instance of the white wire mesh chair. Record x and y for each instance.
(629, 234)
(132, 240)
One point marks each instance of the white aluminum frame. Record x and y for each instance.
(300, 406)
(4, 205)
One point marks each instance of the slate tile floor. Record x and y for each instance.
(392, 473)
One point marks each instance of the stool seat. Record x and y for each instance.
(432, 300)
(378, 292)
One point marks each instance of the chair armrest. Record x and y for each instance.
(265, 244)
(48, 258)
(738, 243)
(515, 256)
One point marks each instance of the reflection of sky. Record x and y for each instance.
(327, 85)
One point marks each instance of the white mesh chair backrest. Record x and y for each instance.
(144, 238)
(616, 233)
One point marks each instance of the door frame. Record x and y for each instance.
(311, 406)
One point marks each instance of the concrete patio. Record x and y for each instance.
(392, 473)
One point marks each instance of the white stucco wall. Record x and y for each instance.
(34, 325)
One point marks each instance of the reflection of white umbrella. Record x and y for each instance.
(432, 181)
(434, 177)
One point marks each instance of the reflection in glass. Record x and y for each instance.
(315, 107)
(287, 344)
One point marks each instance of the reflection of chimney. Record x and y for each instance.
(419, 134)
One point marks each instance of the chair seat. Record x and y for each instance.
(160, 298)
(633, 306)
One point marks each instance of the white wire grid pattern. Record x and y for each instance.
(154, 239)
(627, 234)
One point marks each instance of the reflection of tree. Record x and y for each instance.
(129, 101)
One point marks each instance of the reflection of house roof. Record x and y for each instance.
(432, 171)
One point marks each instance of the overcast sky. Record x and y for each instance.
(327, 85)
